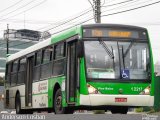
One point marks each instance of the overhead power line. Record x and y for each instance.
(9, 7)
(97, 8)
(110, 5)
(82, 13)
(73, 19)
(110, 15)
(132, 9)
(131, 4)
(91, 4)
(25, 10)
(28, 21)
(104, 1)
(39, 22)
(118, 7)
(69, 20)
(73, 26)
(118, 3)
(2, 16)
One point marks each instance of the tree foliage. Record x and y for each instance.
(1, 81)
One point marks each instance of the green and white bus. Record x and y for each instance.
(95, 66)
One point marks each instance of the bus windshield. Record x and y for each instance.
(130, 61)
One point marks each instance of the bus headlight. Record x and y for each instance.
(146, 91)
(92, 90)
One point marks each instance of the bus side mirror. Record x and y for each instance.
(80, 49)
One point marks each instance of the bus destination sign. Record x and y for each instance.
(120, 34)
(114, 33)
(111, 33)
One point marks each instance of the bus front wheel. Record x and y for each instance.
(58, 104)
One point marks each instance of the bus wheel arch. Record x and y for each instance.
(55, 88)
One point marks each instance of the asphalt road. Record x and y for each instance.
(95, 117)
(52, 116)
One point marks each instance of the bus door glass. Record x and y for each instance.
(71, 71)
(28, 83)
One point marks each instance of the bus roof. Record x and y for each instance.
(121, 26)
(29, 50)
(64, 35)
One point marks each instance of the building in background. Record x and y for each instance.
(18, 40)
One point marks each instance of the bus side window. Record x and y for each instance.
(37, 65)
(59, 60)
(14, 73)
(21, 71)
(46, 62)
(59, 51)
(38, 58)
(47, 55)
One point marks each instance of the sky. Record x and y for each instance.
(45, 14)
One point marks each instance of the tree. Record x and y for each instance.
(1, 81)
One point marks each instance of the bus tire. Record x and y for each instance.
(18, 104)
(58, 104)
(29, 111)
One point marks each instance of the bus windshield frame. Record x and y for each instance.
(120, 64)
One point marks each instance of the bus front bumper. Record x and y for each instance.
(130, 100)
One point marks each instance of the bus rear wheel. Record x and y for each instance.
(58, 104)
(120, 110)
(18, 105)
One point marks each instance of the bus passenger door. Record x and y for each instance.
(28, 84)
(71, 72)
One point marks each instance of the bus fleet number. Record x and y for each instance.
(136, 89)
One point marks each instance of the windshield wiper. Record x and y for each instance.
(110, 53)
(129, 47)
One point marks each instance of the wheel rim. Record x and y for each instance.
(59, 103)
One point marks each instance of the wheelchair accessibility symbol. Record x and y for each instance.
(125, 74)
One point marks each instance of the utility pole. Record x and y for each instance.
(97, 11)
(7, 38)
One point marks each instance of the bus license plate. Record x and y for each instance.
(120, 99)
